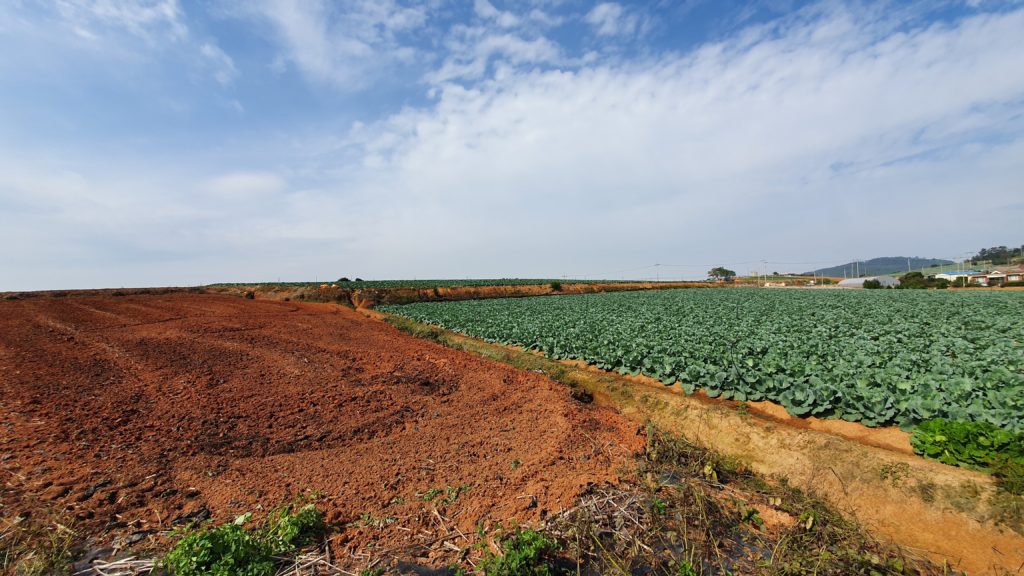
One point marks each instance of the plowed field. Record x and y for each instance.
(127, 413)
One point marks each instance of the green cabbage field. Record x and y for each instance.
(879, 357)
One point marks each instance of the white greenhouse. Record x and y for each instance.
(886, 281)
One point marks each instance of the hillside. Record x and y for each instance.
(883, 265)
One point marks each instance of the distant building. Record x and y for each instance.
(954, 276)
(987, 278)
(979, 279)
(1012, 274)
(886, 281)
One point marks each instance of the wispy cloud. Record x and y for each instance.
(115, 31)
(144, 18)
(347, 47)
(223, 66)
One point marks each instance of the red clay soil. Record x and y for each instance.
(125, 413)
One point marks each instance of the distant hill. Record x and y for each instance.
(878, 266)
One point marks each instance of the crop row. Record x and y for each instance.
(877, 357)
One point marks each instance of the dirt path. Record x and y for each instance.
(125, 413)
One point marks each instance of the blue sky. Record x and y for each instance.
(166, 142)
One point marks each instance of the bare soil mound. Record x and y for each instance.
(129, 413)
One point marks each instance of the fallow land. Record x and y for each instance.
(130, 415)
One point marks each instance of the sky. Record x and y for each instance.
(172, 142)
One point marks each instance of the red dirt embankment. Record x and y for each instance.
(125, 413)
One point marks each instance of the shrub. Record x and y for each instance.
(556, 286)
(917, 280)
(872, 284)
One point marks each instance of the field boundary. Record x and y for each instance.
(373, 297)
(961, 518)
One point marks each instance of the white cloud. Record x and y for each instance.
(835, 111)
(473, 49)
(486, 10)
(611, 19)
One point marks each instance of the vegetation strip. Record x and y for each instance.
(482, 282)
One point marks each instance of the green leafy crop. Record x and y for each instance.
(880, 357)
(975, 445)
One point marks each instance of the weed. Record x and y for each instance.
(431, 493)
(895, 473)
(582, 396)
(927, 490)
(751, 516)
(30, 547)
(1009, 475)
(452, 493)
(684, 568)
(368, 520)
(224, 550)
(526, 553)
(516, 464)
(233, 549)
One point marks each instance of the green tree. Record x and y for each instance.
(997, 254)
(721, 273)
